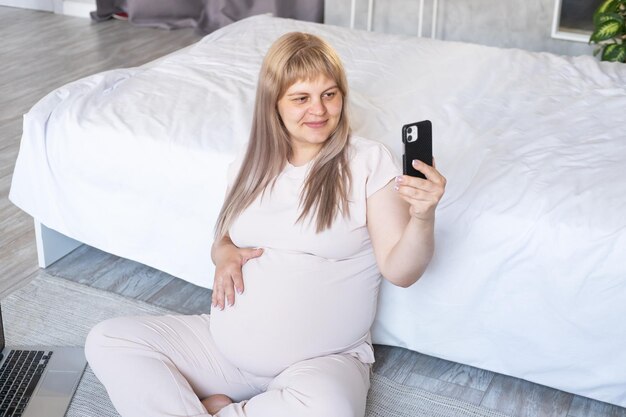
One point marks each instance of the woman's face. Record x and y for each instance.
(310, 110)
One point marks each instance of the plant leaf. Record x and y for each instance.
(600, 18)
(606, 30)
(614, 53)
(607, 6)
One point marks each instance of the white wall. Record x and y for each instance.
(523, 24)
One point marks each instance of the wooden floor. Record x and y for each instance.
(41, 51)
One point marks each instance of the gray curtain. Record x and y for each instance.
(206, 15)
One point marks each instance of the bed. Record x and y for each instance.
(529, 275)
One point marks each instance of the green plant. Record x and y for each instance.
(609, 33)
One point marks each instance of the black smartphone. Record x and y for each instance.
(418, 144)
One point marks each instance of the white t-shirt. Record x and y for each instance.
(310, 294)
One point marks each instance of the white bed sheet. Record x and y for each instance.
(529, 276)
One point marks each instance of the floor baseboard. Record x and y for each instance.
(68, 8)
(43, 5)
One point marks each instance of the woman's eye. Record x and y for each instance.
(330, 95)
(300, 99)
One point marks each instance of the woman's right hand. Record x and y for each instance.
(229, 259)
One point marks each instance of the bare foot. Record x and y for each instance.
(214, 403)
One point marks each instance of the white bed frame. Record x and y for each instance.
(420, 23)
(52, 245)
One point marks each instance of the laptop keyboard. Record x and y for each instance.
(19, 376)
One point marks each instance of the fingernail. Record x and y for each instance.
(416, 161)
(239, 290)
(398, 179)
(395, 187)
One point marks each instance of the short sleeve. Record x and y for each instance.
(382, 168)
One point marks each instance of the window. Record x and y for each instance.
(573, 19)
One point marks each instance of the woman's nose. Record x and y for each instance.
(317, 108)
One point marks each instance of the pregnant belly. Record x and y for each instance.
(296, 306)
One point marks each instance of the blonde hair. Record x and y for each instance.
(293, 57)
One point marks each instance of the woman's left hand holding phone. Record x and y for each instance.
(228, 280)
(422, 195)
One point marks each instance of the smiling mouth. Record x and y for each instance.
(316, 125)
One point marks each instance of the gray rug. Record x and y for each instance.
(54, 311)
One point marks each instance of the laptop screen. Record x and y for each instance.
(1, 335)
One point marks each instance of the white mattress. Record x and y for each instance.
(529, 275)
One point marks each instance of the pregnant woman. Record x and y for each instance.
(313, 217)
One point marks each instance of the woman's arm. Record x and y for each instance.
(401, 224)
(228, 260)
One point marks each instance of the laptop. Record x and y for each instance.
(38, 381)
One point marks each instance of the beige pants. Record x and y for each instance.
(163, 366)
